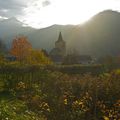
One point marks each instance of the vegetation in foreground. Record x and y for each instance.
(30, 89)
(35, 93)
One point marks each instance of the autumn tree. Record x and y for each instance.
(20, 48)
(45, 52)
(37, 57)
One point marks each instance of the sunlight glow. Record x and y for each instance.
(64, 11)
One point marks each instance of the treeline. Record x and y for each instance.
(94, 69)
(22, 51)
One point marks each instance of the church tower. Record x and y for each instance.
(60, 44)
(58, 53)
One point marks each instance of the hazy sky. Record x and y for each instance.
(42, 13)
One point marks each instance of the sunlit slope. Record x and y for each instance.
(99, 36)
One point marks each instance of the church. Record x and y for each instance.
(58, 53)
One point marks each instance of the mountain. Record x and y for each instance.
(97, 37)
(103, 33)
(9, 28)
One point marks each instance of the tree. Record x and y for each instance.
(2, 59)
(45, 52)
(37, 57)
(2, 51)
(2, 46)
(20, 48)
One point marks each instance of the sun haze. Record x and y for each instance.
(42, 13)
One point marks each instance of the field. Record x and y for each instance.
(29, 92)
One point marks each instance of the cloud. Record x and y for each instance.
(15, 8)
(10, 8)
(39, 13)
(46, 3)
(1, 18)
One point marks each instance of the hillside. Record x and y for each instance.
(9, 28)
(99, 36)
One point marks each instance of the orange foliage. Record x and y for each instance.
(20, 47)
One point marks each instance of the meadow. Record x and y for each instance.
(35, 92)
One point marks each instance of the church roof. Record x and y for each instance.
(60, 38)
(55, 51)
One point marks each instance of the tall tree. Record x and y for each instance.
(20, 48)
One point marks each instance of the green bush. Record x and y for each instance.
(16, 110)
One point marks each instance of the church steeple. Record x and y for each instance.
(60, 37)
(61, 44)
(57, 54)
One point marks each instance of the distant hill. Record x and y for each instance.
(103, 33)
(99, 36)
(9, 28)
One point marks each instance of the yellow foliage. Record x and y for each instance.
(22, 50)
(65, 101)
(37, 57)
(106, 118)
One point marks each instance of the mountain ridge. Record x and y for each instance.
(97, 37)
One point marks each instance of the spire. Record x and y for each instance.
(60, 37)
